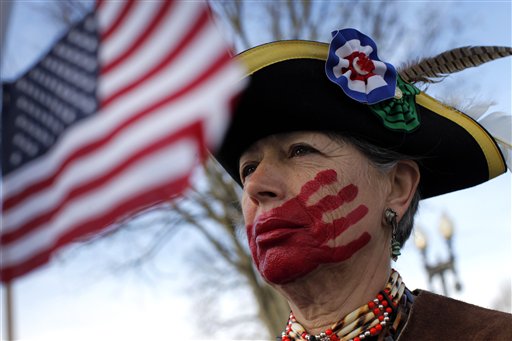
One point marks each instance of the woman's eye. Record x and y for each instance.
(247, 170)
(301, 149)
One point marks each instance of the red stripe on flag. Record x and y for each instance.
(84, 188)
(169, 58)
(137, 43)
(99, 4)
(141, 200)
(127, 8)
(16, 199)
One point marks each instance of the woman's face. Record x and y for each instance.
(308, 200)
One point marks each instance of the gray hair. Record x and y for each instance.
(384, 160)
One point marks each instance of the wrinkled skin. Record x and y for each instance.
(296, 223)
(308, 201)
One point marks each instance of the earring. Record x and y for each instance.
(395, 244)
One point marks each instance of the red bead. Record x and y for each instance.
(328, 332)
(357, 338)
(378, 327)
(371, 304)
(381, 318)
(304, 334)
(384, 303)
(334, 337)
(380, 297)
(285, 338)
(376, 311)
(389, 310)
(373, 331)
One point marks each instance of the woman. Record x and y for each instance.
(333, 150)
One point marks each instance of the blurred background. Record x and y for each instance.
(183, 268)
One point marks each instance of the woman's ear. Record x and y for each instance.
(405, 178)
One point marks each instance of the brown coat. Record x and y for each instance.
(435, 317)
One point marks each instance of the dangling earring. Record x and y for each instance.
(395, 244)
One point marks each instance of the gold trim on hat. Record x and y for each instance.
(495, 163)
(264, 55)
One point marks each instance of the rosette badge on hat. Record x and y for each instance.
(353, 64)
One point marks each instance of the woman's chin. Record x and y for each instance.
(280, 266)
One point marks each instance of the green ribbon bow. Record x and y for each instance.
(399, 113)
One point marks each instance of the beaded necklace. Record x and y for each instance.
(381, 314)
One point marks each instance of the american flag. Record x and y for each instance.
(112, 120)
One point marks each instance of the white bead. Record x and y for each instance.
(381, 307)
(297, 328)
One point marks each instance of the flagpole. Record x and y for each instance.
(5, 15)
(9, 317)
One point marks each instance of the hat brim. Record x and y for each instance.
(289, 91)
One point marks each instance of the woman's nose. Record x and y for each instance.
(266, 184)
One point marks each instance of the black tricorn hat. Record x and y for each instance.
(289, 91)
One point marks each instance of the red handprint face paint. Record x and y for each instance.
(293, 239)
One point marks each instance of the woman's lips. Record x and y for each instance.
(274, 230)
(280, 222)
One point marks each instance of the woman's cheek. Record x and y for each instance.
(248, 209)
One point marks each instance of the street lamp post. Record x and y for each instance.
(442, 267)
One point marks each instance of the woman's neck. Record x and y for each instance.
(328, 294)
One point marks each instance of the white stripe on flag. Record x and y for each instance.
(193, 61)
(123, 36)
(161, 123)
(177, 24)
(157, 167)
(110, 11)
